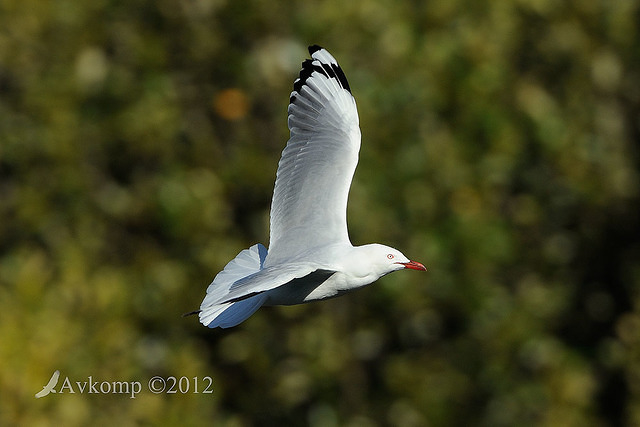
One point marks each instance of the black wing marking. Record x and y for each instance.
(331, 71)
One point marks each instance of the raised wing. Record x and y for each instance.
(309, 205)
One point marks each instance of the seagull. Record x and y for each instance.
(310, 256)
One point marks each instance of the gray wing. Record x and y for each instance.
(309, 205)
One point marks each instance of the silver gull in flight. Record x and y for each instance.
(310, 256)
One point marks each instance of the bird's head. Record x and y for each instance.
(381, 259)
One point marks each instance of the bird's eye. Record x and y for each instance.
(390, 256)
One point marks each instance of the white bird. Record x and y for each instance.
(310, 256)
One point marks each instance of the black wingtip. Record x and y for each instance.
(341, 77)
(305, 73)
(329, 70)
(191, 313)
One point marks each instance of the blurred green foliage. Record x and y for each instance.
(138, 148)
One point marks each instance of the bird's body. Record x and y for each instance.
(310, 256)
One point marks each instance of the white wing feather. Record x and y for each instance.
(309, 205)
(239, 289)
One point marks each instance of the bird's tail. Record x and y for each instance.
(214, 310)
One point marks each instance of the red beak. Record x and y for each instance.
(414, 265)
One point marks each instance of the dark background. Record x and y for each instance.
(138, 147)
